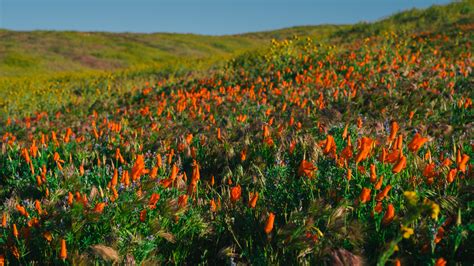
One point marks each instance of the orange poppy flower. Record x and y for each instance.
(4, 220)
(365, 195)
(379, 183)
(447, 162)
(330, 145)
(400, 165)
(63, 252)
(189, 138)
(159, 161)
(138, 168)
(143, 215)
(153, 172)
(399, 142)
(451, 175)
(243, 155)
(292, 146)
(364, 148)
(174, 172)
(15, 231)
(38, 207)
(114, 180)
(430, 171)
(462, 164)
(306, 169)
(235, 193)
(389, 215)
(378, 207)
(439, 235)
(253, 200)
(48, 236)
(347, 153)
(70, 198)
(383, 156)
(345, 132)
(99, 207)
(393, 131)
(349, 174)
(219, 136)
(269, 223)
(183, 201)
(213, 206)
(440, 262)
(382, 194)
(417, 142)
(22, 210)
(373, 174)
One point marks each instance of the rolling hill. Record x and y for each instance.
(46, 52)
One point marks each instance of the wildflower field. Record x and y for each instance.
(324, 153)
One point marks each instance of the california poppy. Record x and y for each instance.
(243, 155)
(373, 174)
(99, 207)
(440, 262)
(330, 145)
(364, 148)
(143, 215)
(213, 206)
(138, 168)
(15, 231)
(382, 194)
(400, 165)
(451, 175)
(364, 195)
(306, 169)
(417, 142)
(183, 201)
(349, 174)
(462, 164)
(393, 131)
(389, 215)
(253, 200)
(379, 183)
(22, 210)
(430, 170)
(235, 193)
(269, 223)
(153, 200)
(63, 251)
(4, 220)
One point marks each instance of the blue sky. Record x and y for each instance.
(214, 17)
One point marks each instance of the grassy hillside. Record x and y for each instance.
(354, 147)
(304, 154)
(48, 51)
(43, 52)
(47, 70)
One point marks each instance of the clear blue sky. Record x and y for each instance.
(193, 16)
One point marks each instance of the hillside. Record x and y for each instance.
(45, 52)
(351, 147)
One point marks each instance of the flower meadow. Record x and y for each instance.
(307, 153)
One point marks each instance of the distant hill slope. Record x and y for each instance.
(44, 52)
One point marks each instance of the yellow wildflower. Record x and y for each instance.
(407, 232)
(434, 211)
(411, 196)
